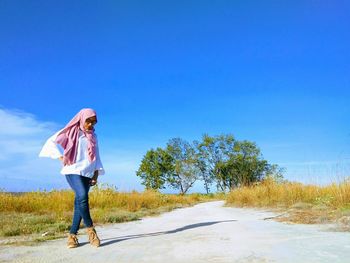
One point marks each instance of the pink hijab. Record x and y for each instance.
(69, 136)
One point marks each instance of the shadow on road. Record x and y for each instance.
(122, 238)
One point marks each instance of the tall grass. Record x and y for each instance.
(304, 203)
(59, 202)
(269, 194)
(50, 213)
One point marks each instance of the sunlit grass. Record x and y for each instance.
(305, 203)
(50, 213)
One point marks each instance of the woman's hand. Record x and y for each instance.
(93, 180)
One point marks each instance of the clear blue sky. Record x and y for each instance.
(273, 72)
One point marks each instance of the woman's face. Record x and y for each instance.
(90, 123)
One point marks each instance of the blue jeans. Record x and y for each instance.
(81, 187)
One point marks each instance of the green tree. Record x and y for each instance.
(186, 169)
(213, 153)
(220, 159)
(232, 163)
(245, 166)
(155, 168)
(204, 172)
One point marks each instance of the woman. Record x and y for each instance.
(76, 146)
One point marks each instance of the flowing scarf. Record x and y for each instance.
(68, 137)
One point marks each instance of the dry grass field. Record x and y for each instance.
(299, 203)
(41, 215)
(48, 215)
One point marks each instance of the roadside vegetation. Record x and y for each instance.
(47, 215)
(235, 168)
(219, 161)
(239, 169)
(298, 203)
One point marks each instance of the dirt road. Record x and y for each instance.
(207, 232)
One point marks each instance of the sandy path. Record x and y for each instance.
(207, 232)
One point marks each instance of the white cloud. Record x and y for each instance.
(21, 139)
(22, 124)
(22, 134)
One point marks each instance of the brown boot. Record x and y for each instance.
(93, 238)
(72, 241)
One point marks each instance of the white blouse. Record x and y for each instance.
(82, 166)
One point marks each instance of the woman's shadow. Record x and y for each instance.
(122, 238)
